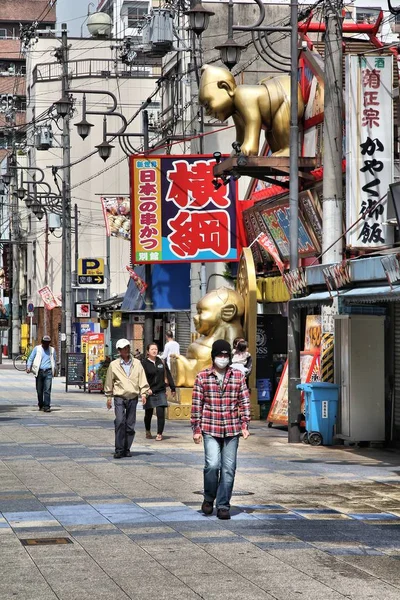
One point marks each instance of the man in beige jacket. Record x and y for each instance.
(125, 381)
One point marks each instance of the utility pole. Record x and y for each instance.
(15, 252)
(333, 132)
(294, 403)
(332, 240)
(66, 290)
(148, 297)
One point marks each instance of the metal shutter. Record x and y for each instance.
(182, 333)
(396, 412)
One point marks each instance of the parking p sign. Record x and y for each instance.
(91, 272)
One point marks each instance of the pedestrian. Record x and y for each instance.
(242, 360)
(158, 377)
(220, 414)
(42, 362)
(125, 382)
(171, 347)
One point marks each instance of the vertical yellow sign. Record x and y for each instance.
(147, 199)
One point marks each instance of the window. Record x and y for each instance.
(367, 15)
(3, 33)
(136, 16)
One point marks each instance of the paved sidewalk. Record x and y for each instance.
(307, 522)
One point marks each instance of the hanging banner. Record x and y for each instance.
(179, 216)
(140, 284)
(369, 149)
(270, 247)
(117, 216)
(49, 299)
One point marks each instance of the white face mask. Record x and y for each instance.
(221, 363)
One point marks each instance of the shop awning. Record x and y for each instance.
(359, 295)
(315, 299)
(370, 295)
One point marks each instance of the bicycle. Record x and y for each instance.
(20, 361)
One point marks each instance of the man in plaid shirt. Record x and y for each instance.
(220, 414)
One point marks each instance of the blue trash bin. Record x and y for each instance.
(321, 400)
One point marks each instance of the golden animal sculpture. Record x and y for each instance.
(252, 107)
(219, 316)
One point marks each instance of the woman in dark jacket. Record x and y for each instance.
(157, 373)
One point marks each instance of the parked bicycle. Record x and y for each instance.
(21, 360)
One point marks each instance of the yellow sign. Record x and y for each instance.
(91, 266)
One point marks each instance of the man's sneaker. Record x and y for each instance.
(40, 407)
(207, 507)
(223, 513)
(47, 409)
(128, 453)
(118, 455)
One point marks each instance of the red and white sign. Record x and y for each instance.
(270, 247)
(140, 284)
(83, 310)
(369, 149)
(49, 299)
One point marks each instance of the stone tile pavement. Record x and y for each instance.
(306, 522)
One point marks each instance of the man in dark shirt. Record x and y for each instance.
(157, 373)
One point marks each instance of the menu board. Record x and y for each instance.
(76, 370)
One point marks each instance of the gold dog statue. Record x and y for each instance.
(252, 107)
(219, 316)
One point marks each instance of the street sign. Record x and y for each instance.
(91, 272)
(31, 309)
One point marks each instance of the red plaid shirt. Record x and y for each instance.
(220, 411)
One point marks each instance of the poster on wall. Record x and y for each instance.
(369, 149)
(313, 332)
(309, 371)
(179, 215)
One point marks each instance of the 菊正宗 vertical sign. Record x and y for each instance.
(179, 216)
(369, 149)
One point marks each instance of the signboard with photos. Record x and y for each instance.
(310, 370)
(178, 213)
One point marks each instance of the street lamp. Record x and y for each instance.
(84, 126)
(230, 51)
(104, 149)
(199, 18)
(6, 177)
(63, 106)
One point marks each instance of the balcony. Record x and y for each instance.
(102, 69)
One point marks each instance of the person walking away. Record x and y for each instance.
(242, 360)
(158, 377)
(125, 382)
(220, 414)
(171, 347)
(43, 363)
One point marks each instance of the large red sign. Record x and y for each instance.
(178, 215)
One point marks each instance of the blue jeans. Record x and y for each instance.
(44, 380)
(219, 469)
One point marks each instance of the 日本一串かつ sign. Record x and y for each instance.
(369, 149)
(178, 214)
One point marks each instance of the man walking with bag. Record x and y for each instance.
(125, 381)
(220, 414)
(42, 362)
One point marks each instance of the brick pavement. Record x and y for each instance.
(307, 522)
